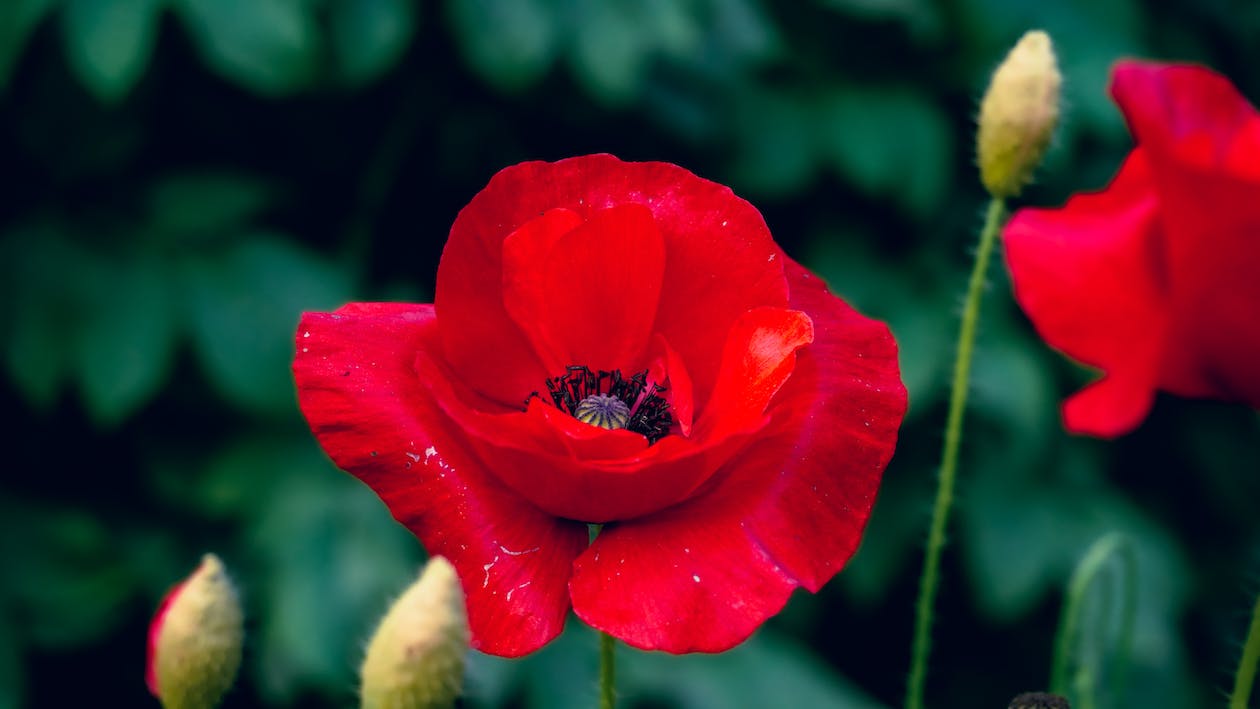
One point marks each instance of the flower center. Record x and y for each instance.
(603, 410)
(609, 400)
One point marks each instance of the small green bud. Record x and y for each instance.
(416, 658)
(195, 640)
(1018, 115)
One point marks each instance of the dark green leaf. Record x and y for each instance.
(369, 36)
(269, 46)
(510, 43)
(18, 18)
(44, 309)
(890, 142)
(244, 305)
(923, 17)
(206, 204)
(109, 42)
(777, 154)
(126, 343)
(62, 574)
(319, 541)
(762, 672)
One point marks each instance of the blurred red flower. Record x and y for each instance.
(1156, 279)
(619, 344)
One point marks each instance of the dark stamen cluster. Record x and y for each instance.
(649, 412)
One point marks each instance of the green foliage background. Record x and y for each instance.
(182, 177)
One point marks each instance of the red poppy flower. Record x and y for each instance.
(620, 344)
(1156, 279)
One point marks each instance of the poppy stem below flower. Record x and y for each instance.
(1094, 561)
(607, 671)
(929, 578)
(1246, 676)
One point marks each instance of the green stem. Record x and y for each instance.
(929, 579)
(1246, 676)
(1083, 576)
(607, 671)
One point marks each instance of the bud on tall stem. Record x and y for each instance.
(1018, 115)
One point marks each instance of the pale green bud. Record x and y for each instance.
(1018, 115)
(195, 640)
(416, 658)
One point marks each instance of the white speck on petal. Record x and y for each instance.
(518, 553)
(513, 590)
(486, 582)
(413, 456)
(306, 334)
(695, 578)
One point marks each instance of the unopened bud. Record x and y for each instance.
(416, 658)
(1018, 115)
(1039, 700)
(195, 640)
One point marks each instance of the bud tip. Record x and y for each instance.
(1018, 115)
(195, 640)
(416, 657)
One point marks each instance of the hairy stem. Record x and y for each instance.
(929, 579)
(1246, 676)
(607, 672)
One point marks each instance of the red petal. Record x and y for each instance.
(573, 470)
(758, 357)
(669, 369)
(586, 294)
(1088, 276)
(372, 414)
(721, 263)
(787, 511)
(1203, 140)
(1191, 115)
(155, 631)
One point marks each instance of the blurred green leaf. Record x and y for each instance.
(892, 142)
(1023, 532)
(777, 154)
(18, 18)
(244, 304)
(269, 46)
(126, 344)
(62, 574)
(893, 536)
(764, 671)
(109, 42)
(509, 43)
(369, 36)
(317, 540)
(206, 204)
(43, 309)
(1012, 385)
(923, 17)
(615, 42)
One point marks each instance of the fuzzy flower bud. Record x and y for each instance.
(195, 640)
(1018, 115)
(416, 658)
